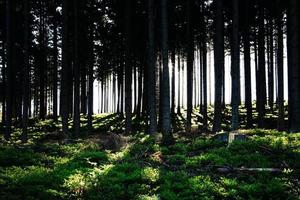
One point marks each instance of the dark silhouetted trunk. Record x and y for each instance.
(280, 99)
(26, 70)
(247, 66)
(76, 116)
(128, 66)
(179, 84)
(65, 69)
(219, 63)
(165, 88)
(55, 66)
(294, 65)
(235, 54)
(10, 67)
(190, 65)
(173, 83)
(261, 99)
(271, 66)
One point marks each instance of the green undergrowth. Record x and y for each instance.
(145, 169)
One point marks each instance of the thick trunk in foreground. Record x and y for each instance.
(235, 66)
(166, 116)
(190, 63)
(294, 65)
(261, 99)
(219, 64)
(76, 116)
(151, 70)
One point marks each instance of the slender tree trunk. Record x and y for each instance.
(173, 83)
(261, 101)
(247, 66)
(235, 66)
(256, 71)
(280, 73)
(65, 69)
(3, 83)
(26, 70)
(128, 67)
(204, 109)
(42, 64)
(76, 116)
(271, 67)
(179, 84)
(190, 63)
(140, 91)
(166, 118)
(294, 65)
(10, 67)
(55, 66)
(219, 64)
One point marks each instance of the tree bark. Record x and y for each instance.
(65, 69)
(219, 64)
(10, 67)
(261, 101)
(128, 67)
(271, 66)
(26, 70)
(247, 66)
(235, 66)
(280, 101)
(190, 65)
(166, 117)
(76, 116)
(293, 65)
(55, 67)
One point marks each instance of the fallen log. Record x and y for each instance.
(243, 169)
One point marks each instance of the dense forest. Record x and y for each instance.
(128, 99)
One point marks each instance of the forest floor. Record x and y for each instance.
(103, 165)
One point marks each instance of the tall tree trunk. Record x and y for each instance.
(179, 84)
(294, 65)
(219, 63)
(235, 66)
(83, 92)
(256, 70)
(128, 66)
(204, 91)
(26, 70)
(55, 67)
(280, 101)
(173, 82)
(140, 91)
(76, 116)
(190, 63)
(261, 100)
(3, 71)
(65, 69)
(166, 118)
(271, 66)
(247, 66)
(10, 67)
(42, 63)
